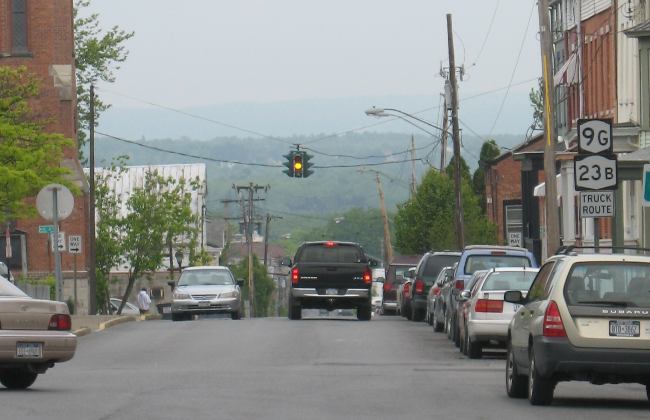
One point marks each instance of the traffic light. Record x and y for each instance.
(297, 165)
(289, 163)
(306, 164)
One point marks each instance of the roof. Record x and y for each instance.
(527, 146)
(205, 267)
(638, 31)
(640, 156)
(405, 260)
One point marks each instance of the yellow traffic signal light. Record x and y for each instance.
(297, 165)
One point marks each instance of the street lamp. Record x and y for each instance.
(381, 112)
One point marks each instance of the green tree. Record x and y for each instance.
(263, 285)
(489, 151)
(537, 102)
(29, 156)
(98, 54)
(464, 168)
(426, 221)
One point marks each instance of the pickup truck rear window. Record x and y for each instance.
(331, 254)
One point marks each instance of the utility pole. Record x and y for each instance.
(266, 237)
(460, 228)
(443, 138)
(552, 217)
(92, 278)
(248, 223)
(388, 248)
(413, 188)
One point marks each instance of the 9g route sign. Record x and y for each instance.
(595, 165)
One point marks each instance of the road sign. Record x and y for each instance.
(60, 242)
(595, 172)
(595, 137)
(45, 228)
(596, 204)
(74, 244)
(45, 199)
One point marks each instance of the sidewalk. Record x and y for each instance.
(85, 324)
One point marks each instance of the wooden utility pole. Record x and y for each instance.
(388, 248)
(443, 138)
(552, 217)
(460, 226)
(413, 183)
(92, 278)
(266, 237)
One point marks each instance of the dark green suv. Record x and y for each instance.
(425, 275)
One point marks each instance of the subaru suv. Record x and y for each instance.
(480, 257)
(586, 317)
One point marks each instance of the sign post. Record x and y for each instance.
(596, 171)
(74, 247)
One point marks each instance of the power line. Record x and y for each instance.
(371, 156)
(487, 35)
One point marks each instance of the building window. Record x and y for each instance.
(19, 26)
(513, 224)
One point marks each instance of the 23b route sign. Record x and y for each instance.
(595, 172)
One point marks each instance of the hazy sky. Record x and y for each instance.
(200, 52)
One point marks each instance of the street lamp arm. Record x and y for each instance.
(381, 112)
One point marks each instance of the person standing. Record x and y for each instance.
(144, 301)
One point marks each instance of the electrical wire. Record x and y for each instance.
(487, 35)
(368, 157)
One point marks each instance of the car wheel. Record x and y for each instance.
(461, 348)
(455, 332)
(178, 317)
(408, 313)
(515, 383)
(416, 315)
(464, 342)
(427, 317)
(540, 390)
(17, 378)
(364, 313)
(437, 325)
(448, 325)
(235, 315)
(647, 391)
(474, 348)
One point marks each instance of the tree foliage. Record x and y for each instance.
(489, 151)
(427, 222)
(29, 156)
(98, 54)
(263, 285)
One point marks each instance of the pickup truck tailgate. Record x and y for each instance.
(326, 276)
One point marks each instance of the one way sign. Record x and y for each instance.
(74, 244)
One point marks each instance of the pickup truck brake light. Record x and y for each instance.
(329, 244)
(367, 276)
(388, 287)
(419, 286)
(295, 275)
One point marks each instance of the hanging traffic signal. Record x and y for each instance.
(297, 165)
(289, 163)
(306, 164)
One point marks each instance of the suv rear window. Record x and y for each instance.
(396, 273)
(485, 262)
(331, 254)
(435, 263)
(509, 280)
(619, 284)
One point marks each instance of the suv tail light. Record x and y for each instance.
(295, 275)
(388, 287)
(436, 290)
(489, 306)
(60, 322)
(406, 289)
(367, 276)
(459, 284)
(553, 326)
(419, 286)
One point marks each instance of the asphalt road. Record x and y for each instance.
(274, 368)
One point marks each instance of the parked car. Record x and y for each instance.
(378, 278)
(403, 294)
(463, 303)
(206, 290)
(483, 315)
(481, 257)
(586, 317)
(395, 277)
(129, 308)
(35, 335)
(424, 276)
(437, 298)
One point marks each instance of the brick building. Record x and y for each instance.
(38, 34)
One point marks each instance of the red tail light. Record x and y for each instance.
(60, 322)
(490, 306)
(329, 244)
(436, 291)
(388, 287)
(419, 286)
(459, 284)
(295, 275)
(367, 276)
(407, 288)
(553, 326)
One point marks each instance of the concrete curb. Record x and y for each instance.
(117, 321)
(82, 331)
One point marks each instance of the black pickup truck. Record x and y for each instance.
(330, 275)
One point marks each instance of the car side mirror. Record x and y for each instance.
(513, 296)
(464, 295)
(285, 261)
(240, 282)
(172, 284)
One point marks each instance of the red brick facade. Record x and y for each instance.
(49, 54)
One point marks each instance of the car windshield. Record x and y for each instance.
(435, 263)
(509, 280)
(9, 290)
(206, 278)
(609, 283)
(485, 262)
(336, 253)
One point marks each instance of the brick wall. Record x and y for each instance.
(502, 183)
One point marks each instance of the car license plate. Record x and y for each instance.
(29, 350)
(167, 309)
(331, 291)
(624, 328)
(204, 303)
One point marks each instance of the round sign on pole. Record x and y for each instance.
(64, 198)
